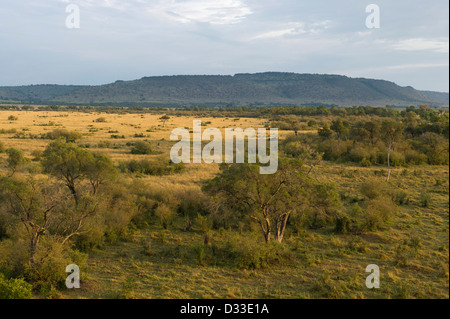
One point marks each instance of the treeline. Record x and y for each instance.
(424, 111)
(413, 137)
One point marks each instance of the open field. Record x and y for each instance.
(411, 248)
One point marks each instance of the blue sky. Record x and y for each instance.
(125, 40)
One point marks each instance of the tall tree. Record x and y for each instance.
(391, 133)
(15, 159)
(267, 199)
(67, 162)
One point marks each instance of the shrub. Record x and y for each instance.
(68, 136)
(14, 288)
(414, 157)
(397, 159)
(49, 269)
(400, 198)
(349, 220)
(2, 147)
(378, 211)
(199, 252)
(147, 167)
(37, 155)
(365, 162)
(424, 199)
(192, 203)
(12, 118)
(372, 188)
(358, 153)
(9, 131)
(141, 147)
(100, 120)
(249, 253)
(165, 215)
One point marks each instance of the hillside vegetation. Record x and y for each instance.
(269, 89)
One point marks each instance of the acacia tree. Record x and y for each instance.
(67, 162)
(44, 209)
(99, 170)
(71, 163)
(15, 159)
(164, 118)
(267, 199)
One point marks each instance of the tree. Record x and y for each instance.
(44, 209)
(294, 124)
(325, 203)
(324, 131)
(15, 159)
(435, 147)
(373, 127)
(68, 162)
(339, 128)
(32, 204)
(267, 199)
(300, 147)
(164, 119)
(391, 132)
(99, 170)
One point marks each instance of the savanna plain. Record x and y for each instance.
(95, 187)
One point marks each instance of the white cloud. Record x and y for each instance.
(417, 66)
(206, 11)
(420, 44)
(294, 29)
(112, 4)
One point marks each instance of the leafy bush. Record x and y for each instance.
(141, 147)
(249, 253)
(424, 199)
(68, 136)
(147, 167)
(100, 120)
(400, 198)
(37, 155)
(165, 215)
(192, 203)
(414, 157)
(14, 288)
(377, 212)
(372, 188)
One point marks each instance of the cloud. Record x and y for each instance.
(294, 29)
(420, 44)
(111, 4)
(417, 66)
(205, 11)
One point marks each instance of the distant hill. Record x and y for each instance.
(270, 88)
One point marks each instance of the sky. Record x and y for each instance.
(127, 40)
